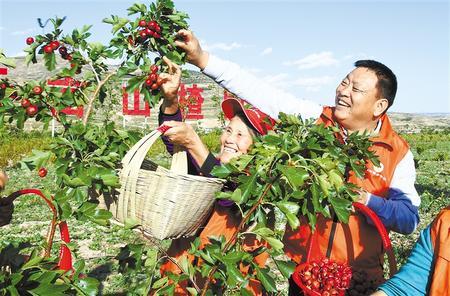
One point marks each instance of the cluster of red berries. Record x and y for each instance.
(51, 47)
(151, 29)
(326, 277)
(31, 109)
(153, 80)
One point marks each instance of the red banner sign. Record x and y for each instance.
(136, 104)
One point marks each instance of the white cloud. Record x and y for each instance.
(315, 60)
(280, 80)
(266, 51)
(221, 46)
(252, 70)
(313, 84)
(19, 54)
(22, 32)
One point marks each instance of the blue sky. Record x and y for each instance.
(304, 47)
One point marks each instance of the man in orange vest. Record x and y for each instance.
(361, 101)
(427, 271)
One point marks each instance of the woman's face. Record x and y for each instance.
(236, 139)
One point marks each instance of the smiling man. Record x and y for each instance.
(361, 102)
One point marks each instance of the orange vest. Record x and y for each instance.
(357, 242)
(440, 237)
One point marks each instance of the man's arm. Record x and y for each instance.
(399, 211)
(243, 84)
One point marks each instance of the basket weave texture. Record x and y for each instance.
(166, 203)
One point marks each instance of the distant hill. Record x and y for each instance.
(403, 122)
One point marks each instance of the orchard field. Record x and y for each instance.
(100, 246)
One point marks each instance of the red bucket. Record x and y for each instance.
(329, 278)
(309, 287)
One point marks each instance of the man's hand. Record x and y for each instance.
(3, 180)
(190, 44)
(169, 88)
(363, 197)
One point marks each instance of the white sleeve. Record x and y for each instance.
(263, 96)
(405, 177)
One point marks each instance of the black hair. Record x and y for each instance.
(387, 82)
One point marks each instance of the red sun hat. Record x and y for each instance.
(258, 119)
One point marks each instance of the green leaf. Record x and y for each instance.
(290, 210)
(89, 286)
(266, 280)
(341, 207)
(221, 171)
(131, 223)
(161, 282)
(50, 289)
(234, 275)
(285, 267)
(236, 196)
(275, 243)
(295, 176)
(134, 83)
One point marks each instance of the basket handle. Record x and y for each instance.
(387, 245)
(179, 157)
(131, 164)
(65, 256)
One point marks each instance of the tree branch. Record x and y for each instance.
(94, 96)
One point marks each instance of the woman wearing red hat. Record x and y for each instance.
(245, 122)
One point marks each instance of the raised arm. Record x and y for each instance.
(243, 84)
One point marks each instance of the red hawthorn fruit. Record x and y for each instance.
(69, 57)
(157, 28)
(142, 23)
(37, 90)
(159, 81)
(54, 44)
(143, 34)
(148, 32)
(153, 77)
(25, 103)
(42, 172)
(48, 49)
(3, 86)
(153, 68)
(63, 50)
(30, 40)
(152, 24)
(154, 86)
(156, 35)
(54, 111)
(32, 110)
(149, 82)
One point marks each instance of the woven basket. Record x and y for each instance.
(165, 203)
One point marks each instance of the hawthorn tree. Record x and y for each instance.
(299, 170)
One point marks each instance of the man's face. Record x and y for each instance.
(356, 100)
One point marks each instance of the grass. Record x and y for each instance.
(99, 245)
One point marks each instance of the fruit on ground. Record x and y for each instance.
(42, 172)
